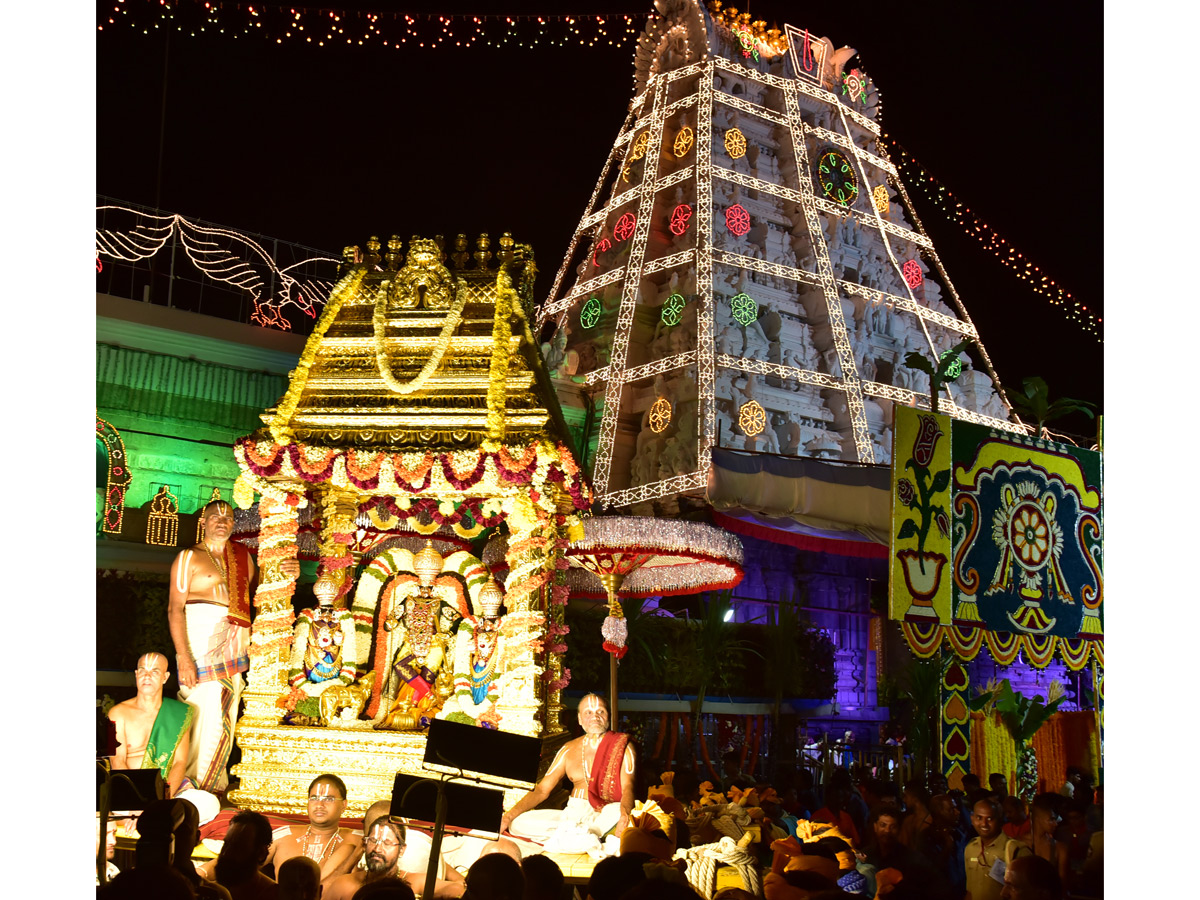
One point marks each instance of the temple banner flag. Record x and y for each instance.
(994, 530)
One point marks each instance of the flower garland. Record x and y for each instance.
(440, 346)
(272, 628)
(286, 408)
(488, 469)
(497, 392)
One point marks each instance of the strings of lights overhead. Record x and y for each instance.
(326, 27)
(920, 181)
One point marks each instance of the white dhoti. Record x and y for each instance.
(576, 829)
(220, 651)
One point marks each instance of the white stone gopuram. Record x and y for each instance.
(745, 274)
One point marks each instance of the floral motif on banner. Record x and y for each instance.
(920, 547)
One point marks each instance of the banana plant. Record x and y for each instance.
(1022, 716)
(1032, 402)
(944, 369)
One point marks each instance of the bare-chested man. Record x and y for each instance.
(334, 849)
(600, 765)
(384, 849)
(153, 732)
(209, 618)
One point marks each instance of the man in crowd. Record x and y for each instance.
(299, 879)
(110, 848)
(600, 765)
(247, 843)
(883, 850)
(990, 844)
(335, 850)
(209, 617)
(1031, 878)
(154, 732)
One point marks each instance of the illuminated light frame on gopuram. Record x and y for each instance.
(420, 410)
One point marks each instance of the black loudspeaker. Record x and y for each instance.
(130, 790)
(468, 808)
(498, 757)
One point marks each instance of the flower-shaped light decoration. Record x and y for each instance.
(913, 276)
(746, 41)
(680, 218)
(660, 415)
(880, 196)
(735, 143)
(855, 85)
(744, 307)
(737, 219)
(589, 316)
(601, 246)
(640, 144)
(623, 230)
(683, 141)
(752, 418)
(672, 310)
(955, 368)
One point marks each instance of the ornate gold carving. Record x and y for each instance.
(423, 282)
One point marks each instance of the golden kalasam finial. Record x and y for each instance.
(460, 256)
(373, 257)
(491, 598)
(325, 589)
(394, 257)
(427, 564)
(482, 254)
(506, 247)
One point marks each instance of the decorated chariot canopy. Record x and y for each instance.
(420, 415)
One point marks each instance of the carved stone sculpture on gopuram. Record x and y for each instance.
(419, 426)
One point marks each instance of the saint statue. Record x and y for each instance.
(478, 663)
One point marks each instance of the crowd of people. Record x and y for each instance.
(977, 843)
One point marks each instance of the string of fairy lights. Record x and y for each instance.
(330, 27)
(326, 27)
(948, 204)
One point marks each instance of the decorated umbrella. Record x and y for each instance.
(639, 556)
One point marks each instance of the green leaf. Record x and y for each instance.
(915, 360)
(907, 530)
(941, 481)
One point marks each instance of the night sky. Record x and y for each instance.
(325, 147)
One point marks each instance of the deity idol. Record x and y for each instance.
(420, 627)
(478, 663)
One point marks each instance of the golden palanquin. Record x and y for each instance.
(420, 406)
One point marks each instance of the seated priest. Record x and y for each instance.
(154, 732)
(600, 765)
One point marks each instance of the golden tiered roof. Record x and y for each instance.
(423, 351)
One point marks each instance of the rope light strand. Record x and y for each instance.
(1033, 275)
(325, 27)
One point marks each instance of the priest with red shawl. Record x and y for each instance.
(600, 765)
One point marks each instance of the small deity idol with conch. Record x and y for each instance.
(478, 663)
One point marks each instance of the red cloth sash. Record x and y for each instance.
(605, 784)
(236, 559)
